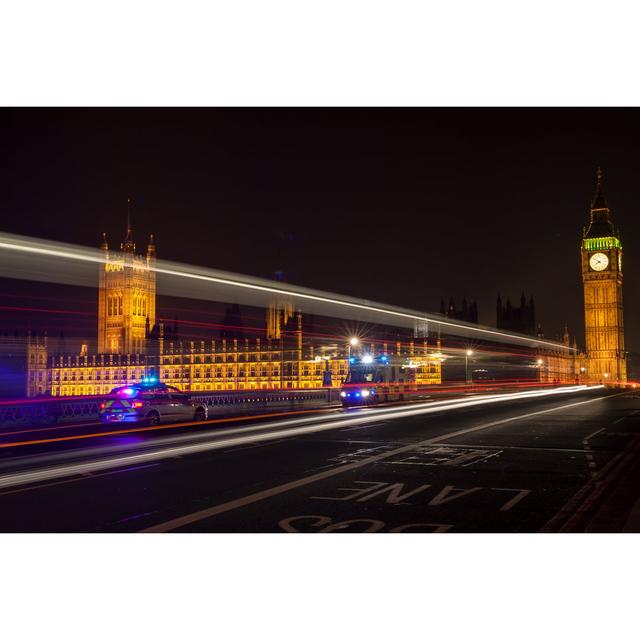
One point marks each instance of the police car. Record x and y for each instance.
(150, 402)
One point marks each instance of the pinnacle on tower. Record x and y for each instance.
(104, 246)
(598, 201)
(600, 223)
(128, 244)
(151, 247)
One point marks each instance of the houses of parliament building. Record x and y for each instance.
(134, 344)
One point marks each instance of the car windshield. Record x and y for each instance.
(358, 376)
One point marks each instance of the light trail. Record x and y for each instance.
(270, 431)
(238, 283)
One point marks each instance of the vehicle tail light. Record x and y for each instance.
(103, 405)
(136, 405)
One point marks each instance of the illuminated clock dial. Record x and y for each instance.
(598, 261)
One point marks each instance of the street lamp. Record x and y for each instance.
(353, 342)
(467, 355)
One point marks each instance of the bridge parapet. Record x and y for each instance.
(46, 412)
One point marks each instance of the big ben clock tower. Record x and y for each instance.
(601, 253)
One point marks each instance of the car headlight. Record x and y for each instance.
(343, 394)
(365, 393)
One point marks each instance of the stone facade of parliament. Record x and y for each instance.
(133, 344)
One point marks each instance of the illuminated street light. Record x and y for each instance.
(353, 342)
(540, 361)
(467, 355)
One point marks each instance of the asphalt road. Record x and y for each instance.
(525, 463)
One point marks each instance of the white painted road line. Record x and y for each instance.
(589, 453)
(203, 514)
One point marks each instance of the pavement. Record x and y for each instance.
(564, 462)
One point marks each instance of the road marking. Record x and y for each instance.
(585, 497)
(286, 524)
(446, 456)
(374, 525)
(364, 426)
(619, 420)
(591, 462)
(434, 528)
(520, 495)
(202, 514)
(396, 497)
(450, 493)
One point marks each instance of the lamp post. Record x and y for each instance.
(467, 355)
(353, 342)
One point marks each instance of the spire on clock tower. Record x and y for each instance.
(599, 201)
(600, 222)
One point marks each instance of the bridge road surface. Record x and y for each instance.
(522, 465)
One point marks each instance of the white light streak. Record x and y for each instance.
(270, 431)
(84, 255)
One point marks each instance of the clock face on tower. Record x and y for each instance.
(598, 262)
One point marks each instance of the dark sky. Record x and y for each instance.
(403, 206)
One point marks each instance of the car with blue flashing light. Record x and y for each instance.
(150, 402)
(383, 378)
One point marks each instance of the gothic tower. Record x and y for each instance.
(601, 252)
(126, 296)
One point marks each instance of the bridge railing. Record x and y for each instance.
(72, 410)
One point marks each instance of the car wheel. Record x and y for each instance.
(200, 415)
(153, 418)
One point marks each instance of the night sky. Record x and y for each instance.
(403, 206)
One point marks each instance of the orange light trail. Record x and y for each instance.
(84, 436)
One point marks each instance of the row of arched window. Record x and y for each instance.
(114, 305)
(139, 305)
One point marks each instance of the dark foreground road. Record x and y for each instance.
(526, 464)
